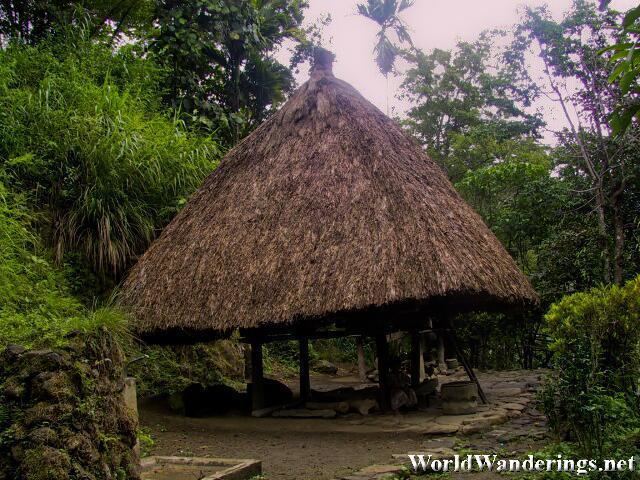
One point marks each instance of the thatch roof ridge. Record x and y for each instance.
(326, 208)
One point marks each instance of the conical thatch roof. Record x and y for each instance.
(327, 208)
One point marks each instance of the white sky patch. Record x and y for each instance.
(432, 24)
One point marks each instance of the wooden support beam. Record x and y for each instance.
(257, 376)
(416, 359)
(441, 353)
(362, 364)
(246, 351)
(285, 337)
(382, 348)
(467, 366)
(423, 372)
(305, 383)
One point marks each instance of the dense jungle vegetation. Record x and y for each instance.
(112, 113)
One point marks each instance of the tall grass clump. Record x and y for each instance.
(84, 138)
(36, 306)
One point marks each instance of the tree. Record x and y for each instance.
(570, 54)
(219, 59)
(625, 56)
(518, 198)
(386, 14)
(31, 21)
(463, 108)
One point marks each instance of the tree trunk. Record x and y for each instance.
(596, 177)
(618, 225)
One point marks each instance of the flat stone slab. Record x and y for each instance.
(376, 472)
(436, 454)
(483, 424)
(440, 429)
(174, 468)
(437, 443)
(457, 419)
(506, 392)
(380, 469)
(519, 399)
(304, 413)
(513, 406)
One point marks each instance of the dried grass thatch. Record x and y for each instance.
(327, 208)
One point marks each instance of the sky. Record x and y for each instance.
(432, 24)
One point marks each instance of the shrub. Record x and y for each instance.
(83, 137)
(592, 397)
(36, 308)
(170, 369)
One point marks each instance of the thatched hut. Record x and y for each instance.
(327, 220)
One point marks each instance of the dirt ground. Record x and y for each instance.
(320, 449)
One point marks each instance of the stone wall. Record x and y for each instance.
(63, 415)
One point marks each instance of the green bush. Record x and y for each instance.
(83, 137)
(592, 398)
(165, 370)
(36, 308)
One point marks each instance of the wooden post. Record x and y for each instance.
(423, 372)
(246, 351)
(467, 367)
(416, 359)
(441, 355)
(257, 376)
(305, 383)
(362, 365)
(382, 348)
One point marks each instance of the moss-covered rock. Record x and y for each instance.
(62, 413)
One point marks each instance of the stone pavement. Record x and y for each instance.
(509, 425)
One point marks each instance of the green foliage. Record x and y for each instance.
(32, 21)
(577, 77)
(283, 358)
(341, 350)
(83, 140)
(146, 442)
(98, 171)
(170, 369)
(518, 198)
(385, 13)
(624, 57)
(592, 396)
(37, 308)
(464, 110)
(218, 55)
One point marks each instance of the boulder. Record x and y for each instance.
(403, 398)
(346, 394)
(363, 406)
(197, 400)
(427, 387)
(399, 399)
(275, 392)
(326, 367)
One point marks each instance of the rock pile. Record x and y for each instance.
(62, 413)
